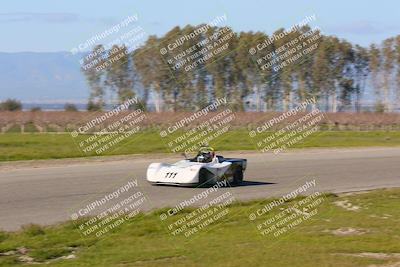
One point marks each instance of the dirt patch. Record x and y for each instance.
(395, 264)
(353, 193)
(377, 256)
(384, 216)
(374, 255)
(158, 260)
(347, 205)
(23, 256)
(348, 231)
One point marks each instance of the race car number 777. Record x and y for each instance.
(170, 174)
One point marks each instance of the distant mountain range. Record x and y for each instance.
(42, 77)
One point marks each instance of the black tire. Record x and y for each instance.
(204, 177)
(238, 175)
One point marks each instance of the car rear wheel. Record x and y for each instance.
(238, 175)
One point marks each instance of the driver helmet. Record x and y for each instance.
(206, 154)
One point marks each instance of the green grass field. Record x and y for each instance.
(326, 239)
(15, 146)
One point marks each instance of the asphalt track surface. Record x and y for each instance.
(46, 192)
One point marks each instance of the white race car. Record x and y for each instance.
(204, 169)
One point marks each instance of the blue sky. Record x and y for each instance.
(60, 25)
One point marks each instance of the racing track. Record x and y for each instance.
(46, 192)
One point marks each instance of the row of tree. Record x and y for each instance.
(16, 105)
(337, 73)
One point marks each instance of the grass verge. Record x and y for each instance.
(15, 146)
(322, 240)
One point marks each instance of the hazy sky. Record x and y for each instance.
(60, 25)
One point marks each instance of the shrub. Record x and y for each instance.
(10, 105)
(92, 106)
(3, 236)
(34, 109)
(70, 107)
(380, 107)
(33, 229)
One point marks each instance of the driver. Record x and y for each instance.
(206, 154)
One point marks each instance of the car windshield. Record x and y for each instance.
(201, 150)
